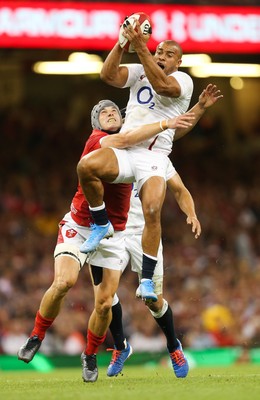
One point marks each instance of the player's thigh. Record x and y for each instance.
(126, 168)
(66, 270)
(110, 282)
(102, 163)
(112, 257)
(152, 193)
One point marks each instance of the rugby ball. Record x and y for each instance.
(145, 25)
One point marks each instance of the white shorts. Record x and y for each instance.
(133, 245)
(138, 165)
(110, 254)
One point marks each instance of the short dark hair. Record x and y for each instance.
(173, 43)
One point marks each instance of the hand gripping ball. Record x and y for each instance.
(145, 25)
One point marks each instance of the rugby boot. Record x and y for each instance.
(146, 290)
(29, 349)
(179, 362)
(98, 232)
(89, 367)
(118, 359)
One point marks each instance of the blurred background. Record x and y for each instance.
(211, 283)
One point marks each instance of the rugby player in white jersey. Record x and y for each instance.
(158, 91)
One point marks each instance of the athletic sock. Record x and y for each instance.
(41, 325)
(93, 342)
(167, 326)
(116, 327)
(99, 214)
(148, 266)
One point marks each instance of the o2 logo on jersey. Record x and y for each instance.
(145, 96)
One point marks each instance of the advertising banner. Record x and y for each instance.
(94, 26)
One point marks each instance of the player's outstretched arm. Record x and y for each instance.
(207, 98)
(144, 132)
(185, 202)
(112, 72)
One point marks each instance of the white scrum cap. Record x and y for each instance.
(98, 108)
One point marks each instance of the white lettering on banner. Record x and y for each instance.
(66, 23)
(69, 23)
(162, 26)
(24, 21)
(235, 28)
(106, 22)
(228, 28)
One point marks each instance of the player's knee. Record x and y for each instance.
(84, 167)
(62, 286)
(152, 212)
(104, 305)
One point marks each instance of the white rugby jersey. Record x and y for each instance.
(146, 106)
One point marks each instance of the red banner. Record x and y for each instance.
(95, 26)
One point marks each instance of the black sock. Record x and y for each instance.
(116, 327)
(99, 216)
(167, 326)
(148, 267)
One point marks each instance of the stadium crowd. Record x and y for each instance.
(211, 283)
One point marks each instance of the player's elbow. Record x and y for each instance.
(107, 77)
(123, 142)
(104, 77)
(164, 89)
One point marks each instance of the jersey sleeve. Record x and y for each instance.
(134, 71)
(185, 83)
(93, 142)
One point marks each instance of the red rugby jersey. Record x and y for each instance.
(116, 197)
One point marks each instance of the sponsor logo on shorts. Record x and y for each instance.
(154, 167)
(70, 233)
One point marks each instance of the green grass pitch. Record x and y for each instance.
(239, 382)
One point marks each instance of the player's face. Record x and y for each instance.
(168, 57)
(109, 119)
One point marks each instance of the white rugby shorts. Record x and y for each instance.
(110, 254)
(133, 245)
(138, 165)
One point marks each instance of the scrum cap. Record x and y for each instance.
(97, 109)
